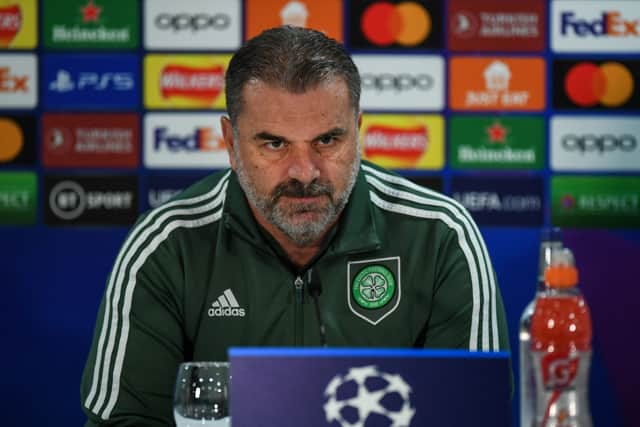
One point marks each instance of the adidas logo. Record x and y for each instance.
(226, 305)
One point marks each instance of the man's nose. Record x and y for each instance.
(303, 164)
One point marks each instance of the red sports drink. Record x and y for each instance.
(561, 347)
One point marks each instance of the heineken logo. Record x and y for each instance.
(374, 288)
(90, 24)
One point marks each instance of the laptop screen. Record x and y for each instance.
(368, 387)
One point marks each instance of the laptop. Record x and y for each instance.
(343, 387)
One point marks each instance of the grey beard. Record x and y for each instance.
(305, 233)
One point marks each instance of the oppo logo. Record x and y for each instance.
(599, 143)
(197, 22)
(399, 82)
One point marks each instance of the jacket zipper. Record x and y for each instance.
(298, 320)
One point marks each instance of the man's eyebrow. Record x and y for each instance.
(333, 132)
(266, 136)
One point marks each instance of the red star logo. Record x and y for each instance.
(497, 133)
(90, 12)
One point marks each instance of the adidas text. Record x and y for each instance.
(227, 311)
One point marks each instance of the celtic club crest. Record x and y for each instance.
(374, 288)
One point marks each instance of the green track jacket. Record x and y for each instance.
(405, 267)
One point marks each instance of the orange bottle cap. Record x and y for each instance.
(561, 276)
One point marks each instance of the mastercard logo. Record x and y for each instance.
(610, 84)
(12, 140)
(407, 23)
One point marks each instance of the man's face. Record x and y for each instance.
(296, 157)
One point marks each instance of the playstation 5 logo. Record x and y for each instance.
(92, 81)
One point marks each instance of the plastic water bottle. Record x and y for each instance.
(551, 238)
(561, 347)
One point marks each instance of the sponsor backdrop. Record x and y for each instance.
(526, 112)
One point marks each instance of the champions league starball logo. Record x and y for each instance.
(366, 396)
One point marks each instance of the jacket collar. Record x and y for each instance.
(356, 230)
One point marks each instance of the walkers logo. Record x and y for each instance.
(596, 84)
(500, 201)
(496, 25)
(595, 143)
(322, 15)
(185, 81)
(497, 142)
(90, 140)
(161, 188)
(401, 82)
(18, 81)
(226, 306)
(395, 24)
(90, 200)
(17, 140)
(403, 141)
(499, 83)
(195, 25)
(18, 198)
(589, 26)
(184, 141)
(18, 29)
(91, 81)
(595, 201)
(93, 24)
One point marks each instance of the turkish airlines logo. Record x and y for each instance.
(10, 24)
(496, 25)
(204, 84)
(90, 140)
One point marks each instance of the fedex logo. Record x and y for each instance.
(609, 23)
(65, 82)
(202, 139)
(12, 83)
(588, 26)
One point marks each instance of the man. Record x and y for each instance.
(228, 262)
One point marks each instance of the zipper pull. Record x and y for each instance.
(298, 284)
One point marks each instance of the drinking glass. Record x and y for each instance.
(201, 396)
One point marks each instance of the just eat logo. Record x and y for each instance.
(11, 83)
(610, 23)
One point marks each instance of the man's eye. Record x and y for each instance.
(327, 139)
(275, 144)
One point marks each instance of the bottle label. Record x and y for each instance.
(559, 370)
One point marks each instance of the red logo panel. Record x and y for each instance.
(91, 140)
(497, 25)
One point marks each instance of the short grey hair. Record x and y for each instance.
(292, 58)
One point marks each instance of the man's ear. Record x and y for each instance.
(359, 120)
(227, 135)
